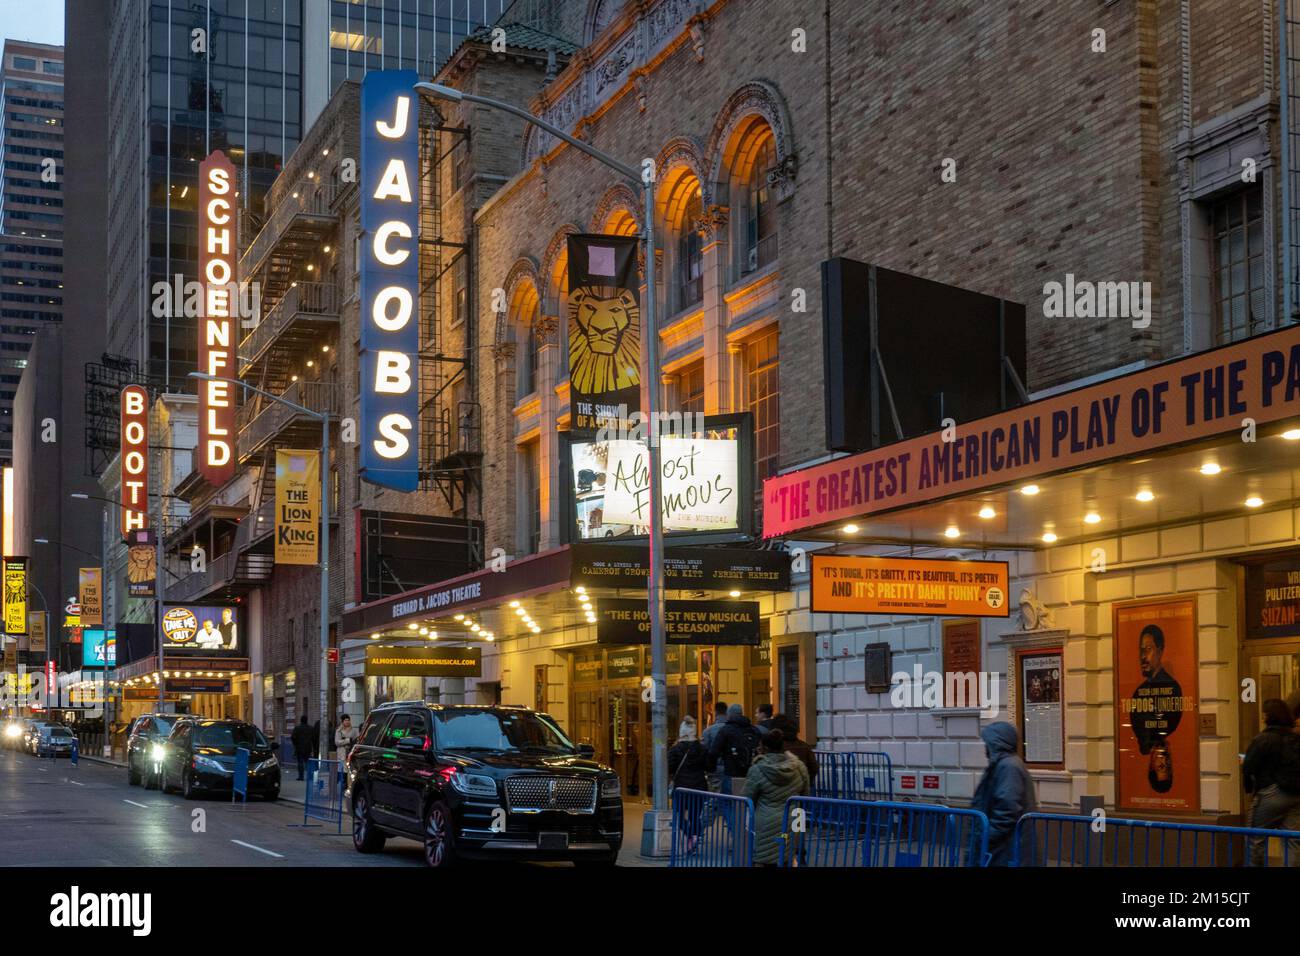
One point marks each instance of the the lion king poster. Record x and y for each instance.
(604, 332)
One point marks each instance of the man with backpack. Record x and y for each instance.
(1271, 771)
(733, 748)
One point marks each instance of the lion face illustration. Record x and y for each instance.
(604, 339)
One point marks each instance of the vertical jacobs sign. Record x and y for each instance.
(134, 459)
(216, 331)
(390, 272)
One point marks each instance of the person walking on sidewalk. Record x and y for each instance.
(302, 738)
(775, 776)
(734, 747)
(1005, 793)
(1271, 772)
(344, 737)
(687, 770)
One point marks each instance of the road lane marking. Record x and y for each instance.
(76, 783)
(142, 806)
(279, 856)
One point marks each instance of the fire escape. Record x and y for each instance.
(451, 452)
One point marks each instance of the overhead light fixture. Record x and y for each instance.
(415, 626)
(734, 593)
(986, 512)
(850, 529)
(424, 630)
(580, 589)
(460, 617)
(327, 248)
(951, 532)
(1292, 434)
(1254, 501)
(324, 348)
(1030, 490)
(1049, 537)
(1145, 495)
(520, 611)
(1092, 518)
(1210, 468)
(514, 603)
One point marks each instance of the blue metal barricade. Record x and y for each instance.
(239, 785)
(1055, 839)
(711, 829)
(853, 775)
(324, 797)
(818, 831)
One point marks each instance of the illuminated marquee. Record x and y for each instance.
(389, 279)
(216, 331)
(134, 459)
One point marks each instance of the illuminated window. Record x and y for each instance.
(690, 389)
(690, 255)
(532, 485)
(760, 209)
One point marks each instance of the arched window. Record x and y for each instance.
(759, 238)
(690, 255)
(526, 310)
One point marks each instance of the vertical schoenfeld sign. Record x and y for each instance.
(216, 328)
(390, 273)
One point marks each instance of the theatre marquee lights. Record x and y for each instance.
(134, 459)
(389, 279)
(216, 334)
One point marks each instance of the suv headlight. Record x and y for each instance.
(474, 783)
(269, 763)
(157, 752)
(610, 787)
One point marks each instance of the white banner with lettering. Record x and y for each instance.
(701, 484)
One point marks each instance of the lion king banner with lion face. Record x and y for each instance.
(604, 332)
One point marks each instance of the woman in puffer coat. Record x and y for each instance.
(773, 778)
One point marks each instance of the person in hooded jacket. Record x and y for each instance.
(734, 747)
(1005, 792)
(775, 776)
(800, 748)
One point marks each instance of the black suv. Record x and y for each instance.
(486, 782)
(144, 748)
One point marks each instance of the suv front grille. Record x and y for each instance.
(538, 794)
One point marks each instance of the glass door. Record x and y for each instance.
(1274, 667)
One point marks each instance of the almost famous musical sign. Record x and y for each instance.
(390, 272)
(217, 250)
(1186, 400)
(134, 459)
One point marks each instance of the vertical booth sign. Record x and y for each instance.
(390, 272)
(216, 328)
(604, 332)
(134, 460)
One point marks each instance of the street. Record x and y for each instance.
(55, 814)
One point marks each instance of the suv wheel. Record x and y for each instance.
(365, 837)
(132, 775)
(439, 849)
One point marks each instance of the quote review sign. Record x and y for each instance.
(390, 273)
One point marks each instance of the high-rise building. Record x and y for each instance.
(31, 210)
(246, 76)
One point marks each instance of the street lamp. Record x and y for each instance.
(324, 419)
(658, 655)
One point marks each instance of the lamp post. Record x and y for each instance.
(324, 419)
(655, 588)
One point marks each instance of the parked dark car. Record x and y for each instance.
(199, 758)
(145, 742)
(54, 740)
(477, 781)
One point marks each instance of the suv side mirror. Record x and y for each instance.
(586, 750)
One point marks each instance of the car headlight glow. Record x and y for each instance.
(475, 783)
(269, 763)
(12, 731)
(157, 752)
(609, 787)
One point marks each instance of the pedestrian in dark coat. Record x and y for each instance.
(687, 759)
(1270, 771)
(1005, 793)
(734, 748)
(302, 738)
(800, 748)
